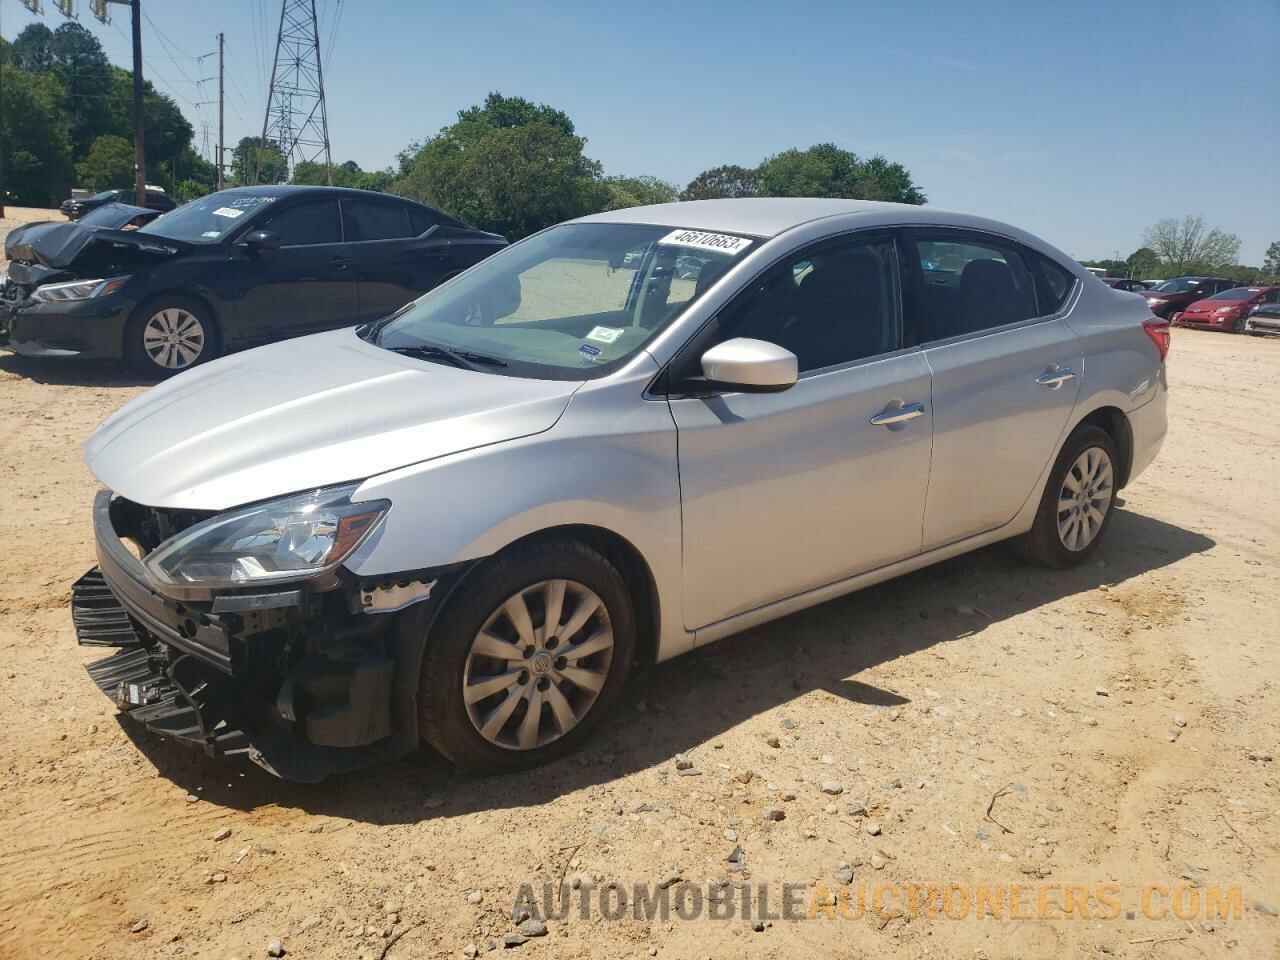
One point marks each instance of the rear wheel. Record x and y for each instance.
(1077, 502)
(523, 665)
(169, 335)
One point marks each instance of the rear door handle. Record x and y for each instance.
(891, 416)
(1055, 377)
(340, 262)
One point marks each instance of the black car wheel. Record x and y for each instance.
(168, 335)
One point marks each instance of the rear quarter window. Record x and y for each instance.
(1053, 283)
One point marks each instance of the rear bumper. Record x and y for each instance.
(1149, 425)
(301, 687)
(1265, 326)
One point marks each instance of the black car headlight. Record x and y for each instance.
(292, 538)
(78, 289)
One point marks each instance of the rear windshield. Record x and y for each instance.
(209, 219)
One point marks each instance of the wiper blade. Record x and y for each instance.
(459, 358)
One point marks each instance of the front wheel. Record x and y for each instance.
(1077, 502)
(169, 335)
(528, 658)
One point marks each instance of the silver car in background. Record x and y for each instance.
(617, 440)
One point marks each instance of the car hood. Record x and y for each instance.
(73, 246)
(306, 413)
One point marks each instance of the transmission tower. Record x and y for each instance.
(296, 119)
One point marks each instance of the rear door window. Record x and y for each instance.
(963, 282)
(365, 220)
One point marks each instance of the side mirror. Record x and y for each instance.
(261, 240)
(750, 366)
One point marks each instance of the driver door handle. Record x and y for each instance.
(892, 416)
(1055, 377)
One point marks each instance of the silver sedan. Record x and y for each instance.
(614, 441)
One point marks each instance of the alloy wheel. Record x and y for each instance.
(538, 664)
(1084, 499)
(173, 338)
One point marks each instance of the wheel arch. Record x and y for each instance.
(629, 561)
(1115, 423)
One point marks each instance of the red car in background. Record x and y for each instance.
(1226, 310)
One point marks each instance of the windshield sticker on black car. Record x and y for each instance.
(231, 212)
(588, 351)
(605, 334)
(701, 240)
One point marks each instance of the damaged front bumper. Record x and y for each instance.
(306, 680)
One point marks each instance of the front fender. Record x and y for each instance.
(609, 462)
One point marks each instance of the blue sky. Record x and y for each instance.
(1081, 122)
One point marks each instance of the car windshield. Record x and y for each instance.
(208, 219)
(105, 195)
(1239, 293)
(572, 302)
(1178, 286)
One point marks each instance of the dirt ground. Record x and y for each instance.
(996, 724)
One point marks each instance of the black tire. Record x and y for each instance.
(444, 719)
(1238, 326)
(165, 362)
(1043, 544)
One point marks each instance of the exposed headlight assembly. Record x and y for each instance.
(293, 538)
(77, 289)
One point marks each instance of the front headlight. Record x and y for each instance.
(1154, 301)
(1224, 310)
(292, 538)
(78, 289)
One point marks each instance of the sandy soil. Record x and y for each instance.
(1123, 717)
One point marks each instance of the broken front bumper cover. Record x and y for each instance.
(219, 681)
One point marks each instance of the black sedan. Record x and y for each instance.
(156, 199)
(232, 270)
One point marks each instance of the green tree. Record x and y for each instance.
(638, 192)
(1142, 263)
(32, 49)
(1189, 245)
(825, 170)
(34, 139)
(86, 74)
(108, 164)
(188, 190)
(347, 174)
(508, 166)
(505, 112)
(254, 162)
(1271, 265)
(721, 182)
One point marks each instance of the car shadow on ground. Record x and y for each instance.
(72, 372)
(688, 702)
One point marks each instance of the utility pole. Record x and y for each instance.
(221, 40)
(139, 147)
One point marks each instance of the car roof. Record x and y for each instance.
(755, 216)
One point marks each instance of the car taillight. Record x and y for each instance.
(1158, 331)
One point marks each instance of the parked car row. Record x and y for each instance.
(230, 270)
(467, 522)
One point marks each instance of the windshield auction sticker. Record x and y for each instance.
(701, 240)
(605, 334)
(230, 212)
